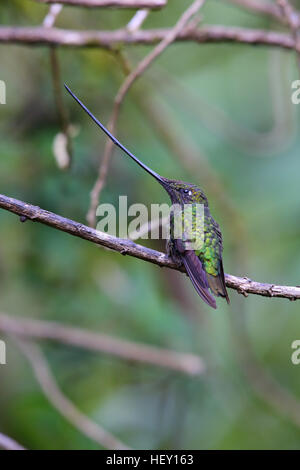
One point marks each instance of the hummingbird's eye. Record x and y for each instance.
(185, 191)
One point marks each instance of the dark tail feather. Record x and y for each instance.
(198, 277)
(217, 284)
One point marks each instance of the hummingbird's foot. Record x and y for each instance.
(173, 253)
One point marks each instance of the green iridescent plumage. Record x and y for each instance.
(199, 247)
(199, 228)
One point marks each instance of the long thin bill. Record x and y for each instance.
(115, 141)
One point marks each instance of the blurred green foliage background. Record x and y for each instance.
(232, 104)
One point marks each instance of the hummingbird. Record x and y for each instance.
(203, 263)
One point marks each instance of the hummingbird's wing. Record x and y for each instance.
(217, 283)
(216, 280)
(196, 273)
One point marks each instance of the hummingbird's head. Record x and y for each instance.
(183, 193)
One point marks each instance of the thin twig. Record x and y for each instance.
(292, 18)
(63, 155)
(63, 152)
(8, 443)
(289, 14)
(62, 404)
(243, 285)
(137, 20)
(51, 16)
(128, 350)
(128, 82)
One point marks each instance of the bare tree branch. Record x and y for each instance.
(52, 14)
(292, 18)
(65, 407)
(243, 285)
(123, 246)
(289, 14)
(62, 152)
(8, 443)
(37, 36)
(127, 84)
(137, 20)
(128, 350)
(135, 4)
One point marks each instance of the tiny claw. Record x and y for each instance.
(23, 218)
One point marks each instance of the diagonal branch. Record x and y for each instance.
(63, 152)
(289, 14)
(292, 18)
(137, 20)
(52, 14)
(243, 285)
(8, 443)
